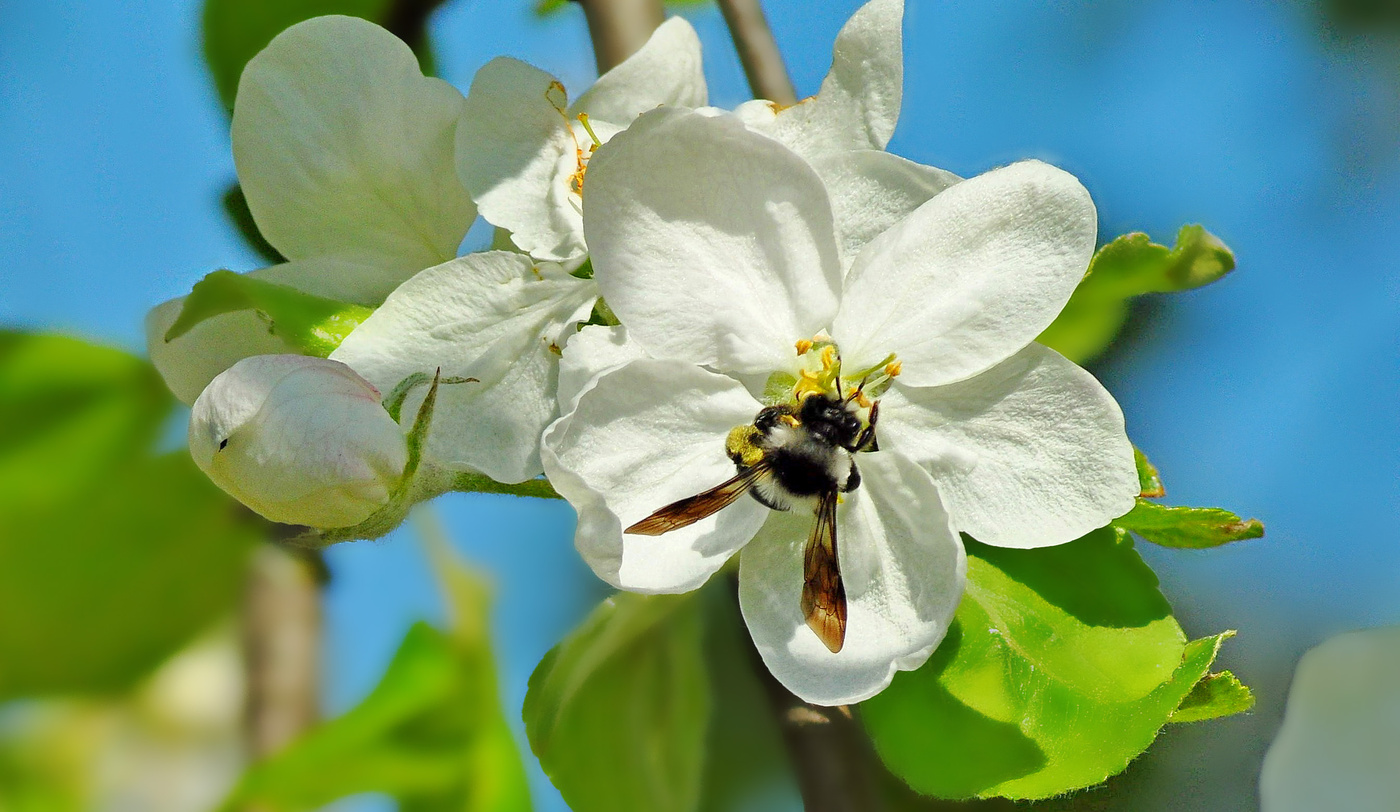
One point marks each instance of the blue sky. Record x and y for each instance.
(1273, 393)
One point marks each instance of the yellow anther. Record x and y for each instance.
(893, 368)
(829, 357)
(803, 344)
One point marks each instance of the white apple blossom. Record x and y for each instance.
(523, 150)
(717, 248)
(346, 155)
(299, 440)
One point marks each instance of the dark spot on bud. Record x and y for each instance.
(223, 444)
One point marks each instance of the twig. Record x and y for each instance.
(281, 639)
(758, 51)
(620, 27)
(408, 20)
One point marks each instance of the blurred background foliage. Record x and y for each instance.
(120, 566)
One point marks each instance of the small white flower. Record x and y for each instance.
(346, 155)
(523, 150)
(717, 248)
(1340, 741)
(299, 440)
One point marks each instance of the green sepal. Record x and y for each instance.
(312, 324)
(1149, 482)
(472, 482)
(1188, 527)
(1131, 266)
(1215, 696)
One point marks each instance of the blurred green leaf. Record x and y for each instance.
(312, 324)
(430, 735)
(235, 30)
(617, 713)
(1188, 527)
(746, 759)
(236, 208)
(1062, 666)
(1216, 695)
(1131, 266)
(110, 558)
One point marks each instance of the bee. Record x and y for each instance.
(793, 455)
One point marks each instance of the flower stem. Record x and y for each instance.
(758, 51)
(619, 28)
(281, 638)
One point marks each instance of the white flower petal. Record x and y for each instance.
(191, 361)
(858, 104)
(343, 146)
(1340, 741)
(872, 190)
(970, 277)
(515, 152)
(1030, 453)
(712, 243)
(903, 568)
(666, 70)
(492, 316)
(644, 436)
(299, 440)
(591, 352)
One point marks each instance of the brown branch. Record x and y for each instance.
(619, 28)
(281, 643)
(758, 51)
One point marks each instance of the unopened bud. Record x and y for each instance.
(300, 440)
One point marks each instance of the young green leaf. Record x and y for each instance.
(1063, 665)
(617, 713)
(1188, 527)
(312, 324)
(1131, 266)
(111, 558)
(1216, 695)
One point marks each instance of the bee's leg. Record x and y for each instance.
(867, 440)
(852, 479)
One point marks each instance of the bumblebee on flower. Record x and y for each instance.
(716, 246)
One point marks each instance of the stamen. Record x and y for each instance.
(803, 345)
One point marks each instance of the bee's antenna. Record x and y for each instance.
(838, 388)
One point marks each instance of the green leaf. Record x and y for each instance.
(617, 713)
(110, 558)
(313, 324)
(235, 30)
(1150, 483)
(1131, 266)
(1062, 666)
(1216, 695)
(1188, 527)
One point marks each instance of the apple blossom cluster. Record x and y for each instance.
(670, 280)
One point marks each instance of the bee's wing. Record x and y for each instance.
(823, 593)
(692, 509)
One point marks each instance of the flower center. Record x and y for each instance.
(558, 99)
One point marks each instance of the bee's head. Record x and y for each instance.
(834, 419)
